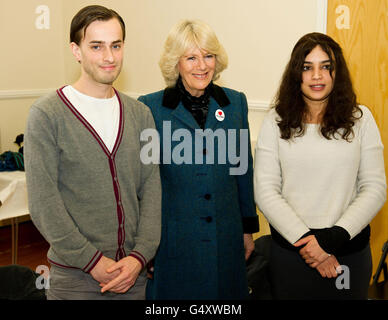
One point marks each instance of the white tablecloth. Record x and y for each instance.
(13, 194)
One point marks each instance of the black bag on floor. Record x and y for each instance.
(11, 161)
(19, 283)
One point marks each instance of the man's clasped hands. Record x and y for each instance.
(118, 276)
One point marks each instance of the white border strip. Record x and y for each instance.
(321, 25)
(252, 104)
(22, 94)
(261, 106)
(36, 93)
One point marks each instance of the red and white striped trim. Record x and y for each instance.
(120, 253)
(90, 265)
(137, 255)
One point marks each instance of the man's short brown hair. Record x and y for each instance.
(89, 14)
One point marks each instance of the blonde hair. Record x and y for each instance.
(186, 35)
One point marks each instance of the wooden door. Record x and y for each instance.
(361, 28)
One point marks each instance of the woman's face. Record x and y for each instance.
(317, 81)
(196, 68)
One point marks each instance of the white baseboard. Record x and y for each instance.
(22, 94)
(253, 105)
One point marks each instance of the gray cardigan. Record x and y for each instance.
(87, 201)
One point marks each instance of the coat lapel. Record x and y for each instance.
(185, 116)
(218, 100)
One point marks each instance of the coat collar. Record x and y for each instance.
(172, 96)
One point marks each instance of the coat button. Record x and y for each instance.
(207, 196)
(209, 219)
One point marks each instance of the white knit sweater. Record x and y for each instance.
(311, 182)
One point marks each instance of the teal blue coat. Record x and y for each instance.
(205, 210)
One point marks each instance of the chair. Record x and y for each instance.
(379, 290)
(257, 270)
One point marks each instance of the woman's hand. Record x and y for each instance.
(329, 267)
(249, 245)
(312, 253)
(326, 264)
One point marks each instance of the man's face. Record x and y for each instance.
(100, 52)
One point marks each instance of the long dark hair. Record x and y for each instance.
(342, 109)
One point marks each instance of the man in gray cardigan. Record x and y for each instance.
(89, 194)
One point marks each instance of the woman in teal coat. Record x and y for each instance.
(208, 210)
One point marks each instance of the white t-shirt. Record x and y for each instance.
(102, 114)
(310, 182)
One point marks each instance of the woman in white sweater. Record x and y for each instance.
(319, 177)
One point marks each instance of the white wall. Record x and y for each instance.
(258, 36)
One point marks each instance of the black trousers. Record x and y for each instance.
(293, 279)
